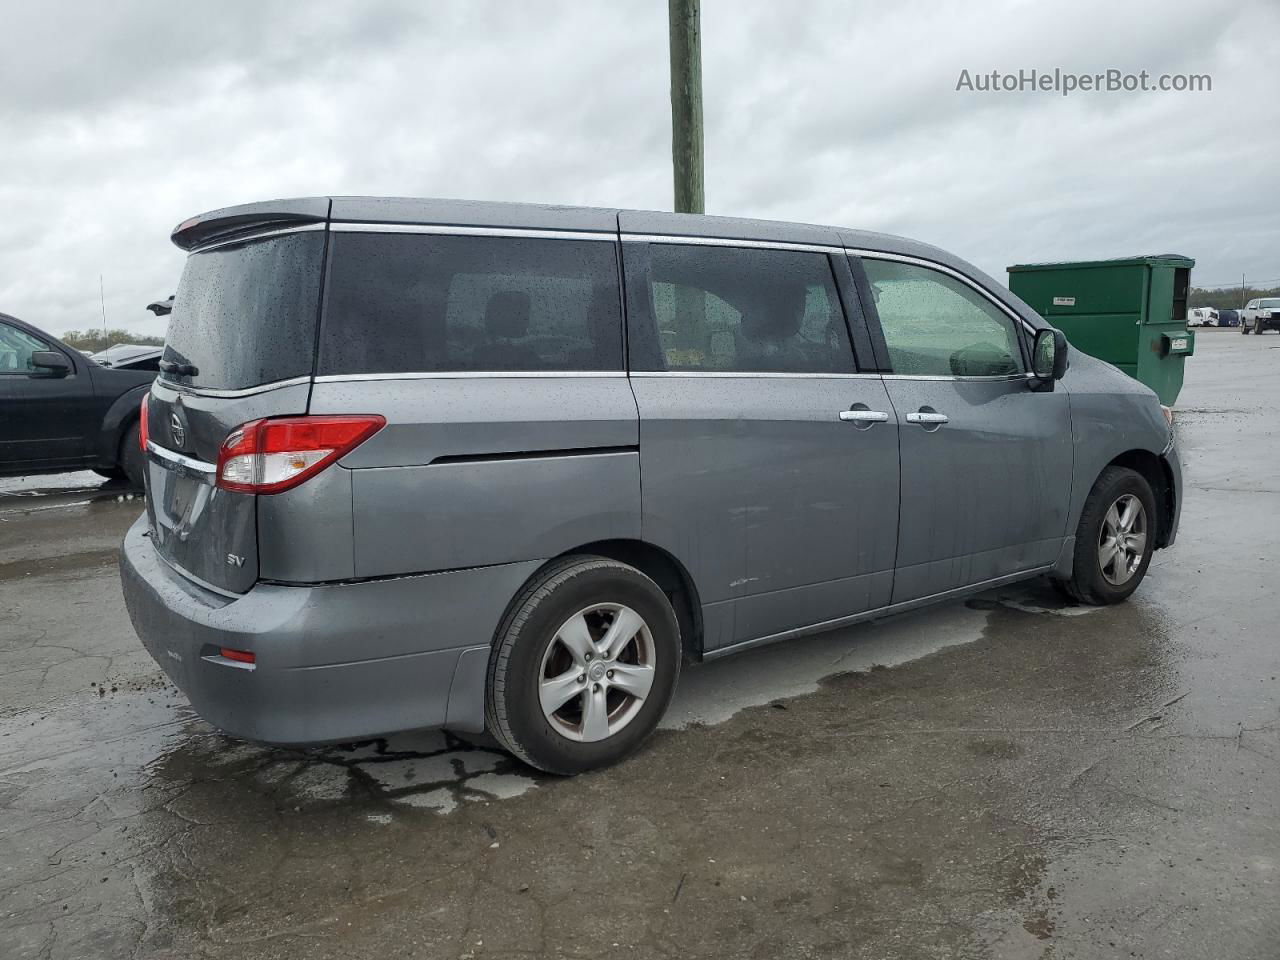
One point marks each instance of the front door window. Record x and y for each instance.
(937, 326)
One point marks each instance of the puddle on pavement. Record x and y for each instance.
(1038, 597)
(153, 734)
(62, 490)
(156, 800)
(44, 485)
(431, 770)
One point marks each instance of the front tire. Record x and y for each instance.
(1115, 539)
(584, 664)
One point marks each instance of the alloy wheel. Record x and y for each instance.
(596, 672)
(1122, 543)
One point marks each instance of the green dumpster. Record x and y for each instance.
(1130, 312)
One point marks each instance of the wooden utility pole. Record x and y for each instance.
(686, 104)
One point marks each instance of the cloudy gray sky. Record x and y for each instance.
(119, 120)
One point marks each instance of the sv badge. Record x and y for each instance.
(234, 560)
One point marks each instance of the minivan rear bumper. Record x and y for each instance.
(334, 662)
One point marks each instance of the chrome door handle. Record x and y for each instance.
(864, 416)
(927, 418)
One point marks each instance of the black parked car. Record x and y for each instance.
(59, 410)
(1228, 318)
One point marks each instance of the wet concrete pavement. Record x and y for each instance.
(999, 778)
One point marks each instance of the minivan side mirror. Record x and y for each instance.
(1049, 355)
(51, 363)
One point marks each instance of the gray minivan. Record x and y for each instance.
(422, 463)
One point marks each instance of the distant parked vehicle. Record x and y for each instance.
(63, 411)
(1260, 315)
(1228, 318)
(130, 356)
(1202, 317)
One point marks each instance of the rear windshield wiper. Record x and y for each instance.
(180, 369)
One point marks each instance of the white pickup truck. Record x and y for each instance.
(1260, 315)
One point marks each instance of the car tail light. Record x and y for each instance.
(142, 424)
(239, 656)
(277, 454)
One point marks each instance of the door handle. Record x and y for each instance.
(863, 416)
(927, 419)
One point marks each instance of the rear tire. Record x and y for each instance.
(132, 463)
(564, 693)
(1115, 539)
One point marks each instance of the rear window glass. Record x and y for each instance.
(245, 314)
(422, 303)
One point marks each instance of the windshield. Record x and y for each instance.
(1269, 304)
(245, 314)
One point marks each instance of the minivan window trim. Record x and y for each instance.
(242, 392)
(466, 375)
(469, 231)
(755, 375)
(731, 242)
(922, 376)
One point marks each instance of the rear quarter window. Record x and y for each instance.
(410, 303)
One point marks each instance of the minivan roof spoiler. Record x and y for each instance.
(230, 222)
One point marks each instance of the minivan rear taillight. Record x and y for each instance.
(142, 424)
(276, 454)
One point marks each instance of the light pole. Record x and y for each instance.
(686, 104)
